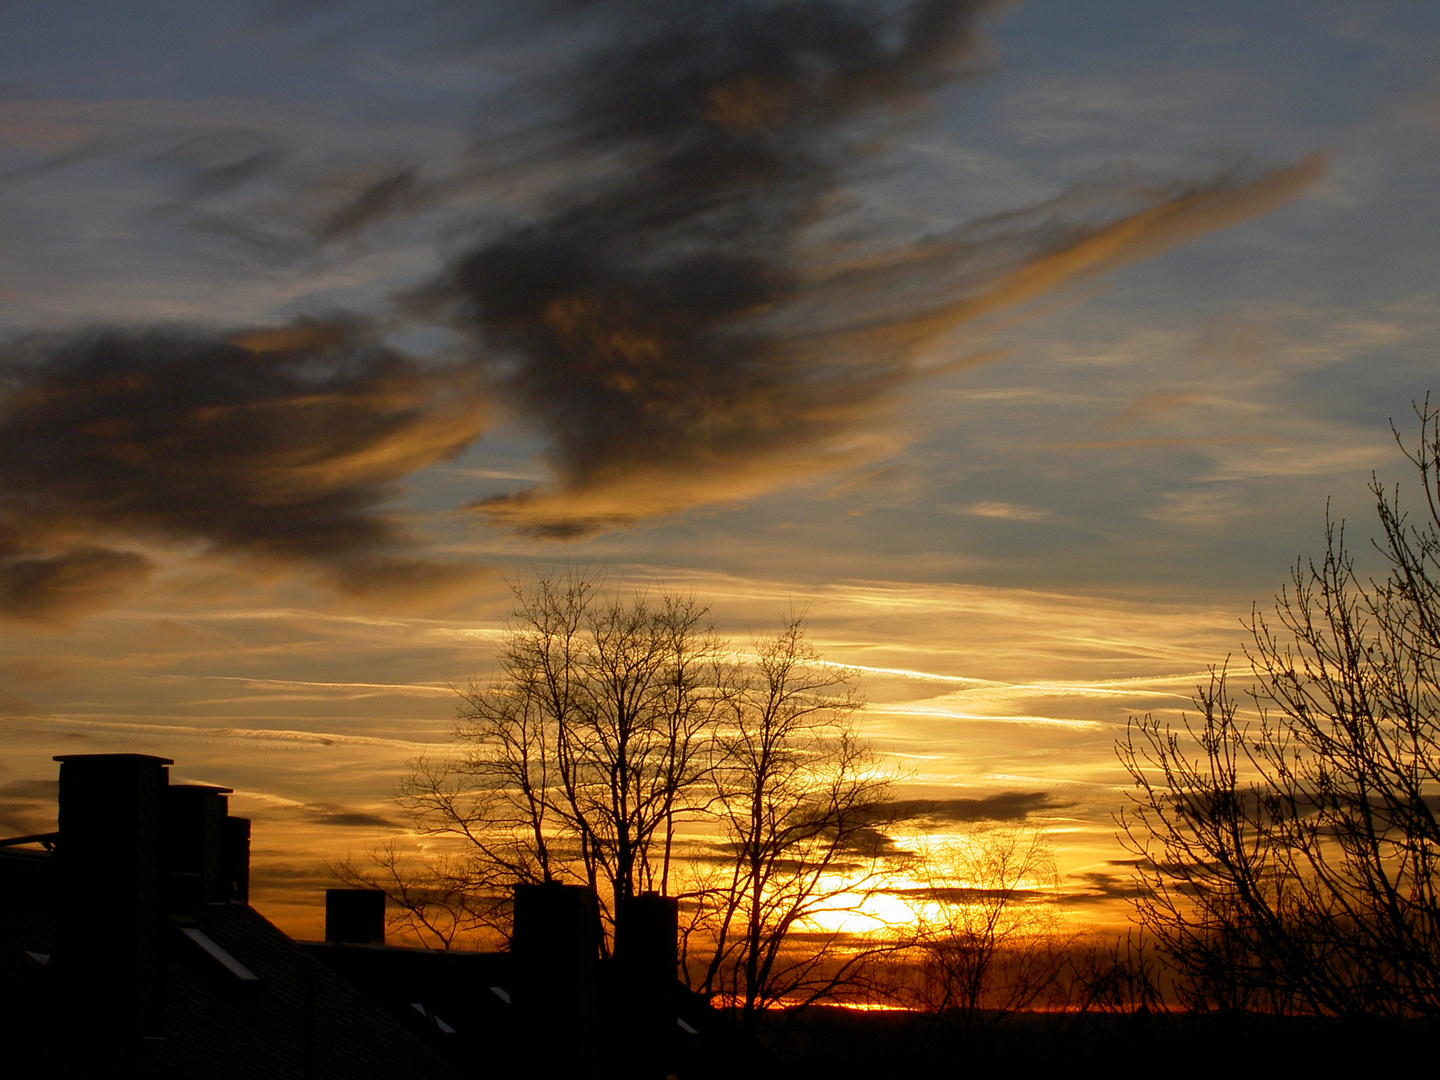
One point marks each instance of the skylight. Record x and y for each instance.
(235, 967)
(441, 1024)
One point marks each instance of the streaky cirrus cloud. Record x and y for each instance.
(280, 443)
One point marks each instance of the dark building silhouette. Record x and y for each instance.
(549, 1007)
(128, 948)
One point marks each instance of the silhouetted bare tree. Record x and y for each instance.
(442, 901)
(622, 745)
(1112, 975)
(594, 739)
(1290, 848)
(986, 922)
(796, 795)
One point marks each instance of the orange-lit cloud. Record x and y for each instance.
(655, 410)
(283, 447)
(677, 329)
(1156, 401)
(58, 587)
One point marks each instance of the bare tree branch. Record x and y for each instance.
(1290, 848)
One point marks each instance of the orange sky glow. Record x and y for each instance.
(1024, 360)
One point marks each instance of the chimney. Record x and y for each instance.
(646, 927)
(237, 858)
(355, 916)
(195, 833)
(109, 956)
(555, 948)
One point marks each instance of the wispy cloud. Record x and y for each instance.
(1177, 440)
(1154, 403)
(1009, 512)
(278, 444)
(688, 307)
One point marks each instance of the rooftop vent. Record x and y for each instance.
(355, 916)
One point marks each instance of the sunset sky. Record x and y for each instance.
(1020, 344)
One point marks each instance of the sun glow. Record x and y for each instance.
(865, 915)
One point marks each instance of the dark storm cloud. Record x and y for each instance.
(380, 198)
(1006, 806)
(280, 443)
(681, 324)
(880, 821)
(339, 816)
(220, 162)
(970, 895)
(51, 163)
(227, 185)
(628, 320)
(59, 587)
(1104, 887)
(289, 880)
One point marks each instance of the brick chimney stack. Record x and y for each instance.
(556, 948)
(646, 928)
(194, 846)
(109, 952)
